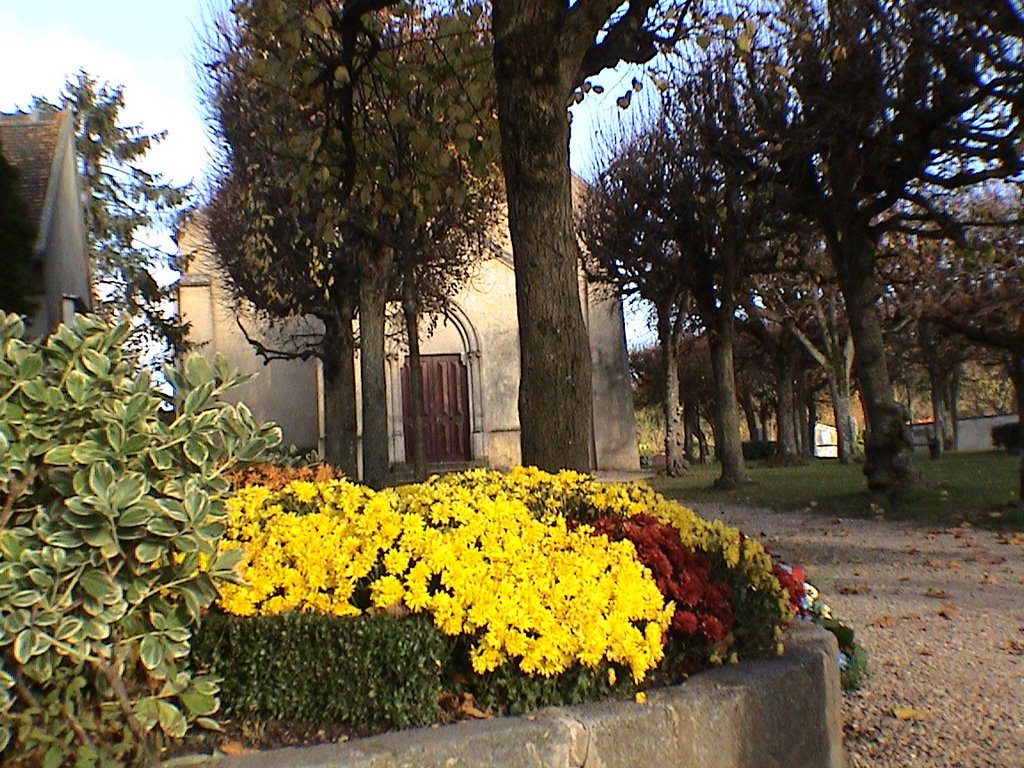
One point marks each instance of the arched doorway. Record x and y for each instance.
(453, 417)
(446, 414)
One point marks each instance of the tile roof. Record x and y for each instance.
(29, 142)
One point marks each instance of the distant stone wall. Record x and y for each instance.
(976, 434)
(778, 713)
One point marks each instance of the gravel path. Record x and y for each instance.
(941, 611)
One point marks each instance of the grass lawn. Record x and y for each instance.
(980, 488)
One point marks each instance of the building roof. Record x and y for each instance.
(30, 142)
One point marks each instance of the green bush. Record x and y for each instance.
(370, 672)
(758, 450)
(110, 512)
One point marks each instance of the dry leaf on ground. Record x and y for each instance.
(233, 748)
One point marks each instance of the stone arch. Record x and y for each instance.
(454, 333)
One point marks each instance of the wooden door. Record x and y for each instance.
(445, 409)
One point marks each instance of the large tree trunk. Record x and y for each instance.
(411, 312)
(341, 434)
(889, 444)
(729, 444)
(675, 461)
(373, 294)
(534, 81)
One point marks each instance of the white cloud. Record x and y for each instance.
(36, 61)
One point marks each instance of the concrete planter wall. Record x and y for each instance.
(777, 713)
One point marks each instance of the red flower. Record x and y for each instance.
(682, 575)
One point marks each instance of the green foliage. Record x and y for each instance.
(509, 691)
(853, 658)
(122, 201)
(371, 672)
(111, 498)
(17, 237)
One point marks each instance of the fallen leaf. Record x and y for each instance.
(1010, 538)
(933, 563)
(986, 579)
(954, 564)
(233, 748)
(1013, 647)
(911, 550)
(937, 593)
(907, 713)
(949, 611)
(853, 589)
(926, 652)
(462, 705)
(884, 622)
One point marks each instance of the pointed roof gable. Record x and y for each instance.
(33, 143)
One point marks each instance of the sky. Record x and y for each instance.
(148, 47)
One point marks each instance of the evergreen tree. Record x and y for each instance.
(125, 207)
(17, 236)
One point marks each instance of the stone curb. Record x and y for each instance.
(775, 713)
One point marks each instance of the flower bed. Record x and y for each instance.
(547, 588)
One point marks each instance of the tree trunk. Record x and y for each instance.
(1017, 376)
(811, 420)
(842, 402)
(800, 414)
(534, 80)
(690, 429)
(940, 383)
(842, 412)
(954, 409)
(373, 294)
(728, 443)
(750, 416)
(702, 438)
(786, 447)
(675, 461)
(341, 433)
(411, 312)
(889, 444)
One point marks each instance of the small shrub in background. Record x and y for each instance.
(371, 673)
(1006, 436)
(111, 499)
(758, 450)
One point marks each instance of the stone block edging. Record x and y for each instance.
(774, 713)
